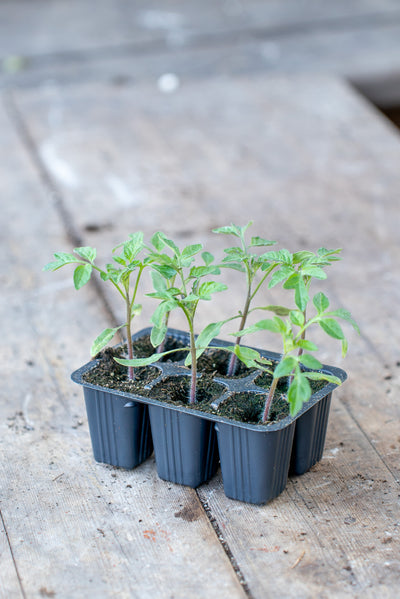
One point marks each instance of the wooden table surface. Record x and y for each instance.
(86, 162)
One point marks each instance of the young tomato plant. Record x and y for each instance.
(180, 284)
(242, 258)
(124, 274)
(297, 271)
(294, 363)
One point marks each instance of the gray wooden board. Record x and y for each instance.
(334, 532)
(320, 167)
(359, 40)
(9, 584)
(65, 26)
(76, 528)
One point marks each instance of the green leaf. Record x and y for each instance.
(191, 298)
(302, 256)
(330, 254)
(207, 289)
(345, 347)
(207, 334)
(62, 258)
(82, 274)
(234, 265)
(52, 266)
(208, 258)
(136, 310)
(228, 230)
(112, 273)
(314, 271)
(321, 302)
(310, 362)
(281, 256)
(157, 241)
(132, 246)
(86, 252)
(292, 281)
(234, 253)
(250, 357)
(321, 376)
(162, 309)
(158, 280)
(285, 367)
(201, 271)
(278, 310)
(168, 294)
(297, 317)
(262, 325)
(119, 260)
(102, 340)
(141, 361)
(65, 257)
(345, 315)
(191, 250)
(171, 245)
(260, 242)
(157, 335)
(306, 344)
(299, 392)
(332, 328)
(301, 295)
(168, 272)
(280, 275)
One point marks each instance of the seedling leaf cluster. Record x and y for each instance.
(185, 279)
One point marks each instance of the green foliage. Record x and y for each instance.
(242, 258)
(102, 340)
(294, 363)
(179, 284)
(185, 278)
(126, 264)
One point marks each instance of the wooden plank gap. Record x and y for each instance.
(55, 194)
(205, 39)
(226, 547)
(13, 557)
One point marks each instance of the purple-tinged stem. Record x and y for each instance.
(131, 372)
(268, 403)
(233, 359)
(192, 396)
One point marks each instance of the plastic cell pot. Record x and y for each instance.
(309, 436)
(185, 446)
(255, 459)
(119, 427)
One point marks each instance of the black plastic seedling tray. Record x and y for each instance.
(255, 458)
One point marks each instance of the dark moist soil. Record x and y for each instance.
(242, 407)
(216, 362)
(176, 390)
(108, 373)
(249, 407)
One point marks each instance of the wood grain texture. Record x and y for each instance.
(334, 532)
(76, 528)
(141, 41)
(175, 23)
(313, 164)
(9, 583)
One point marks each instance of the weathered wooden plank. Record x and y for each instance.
(333, 532)
(76, 528)
(360, 55)
(80, 528)
(330, 179)
(9, 583)
(119, 23)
